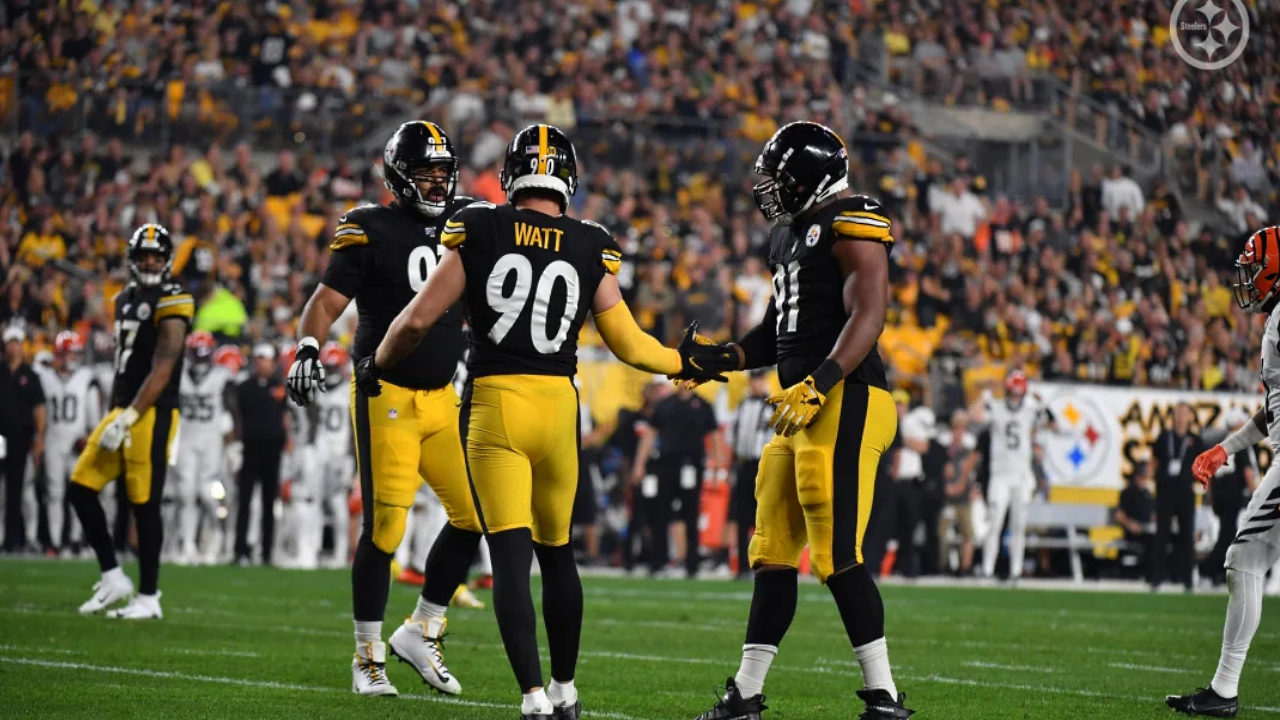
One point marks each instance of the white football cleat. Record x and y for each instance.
(464, 598)
(422, 646)
(141, 607)
(108, 591)
(369, 671)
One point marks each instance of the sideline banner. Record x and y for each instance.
(1105, 431)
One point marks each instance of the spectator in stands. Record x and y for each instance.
(1171, 455)
(959, 210)
(1241, 210)
(1121, 192)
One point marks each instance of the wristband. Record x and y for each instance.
(1244, 438)
(128, 416)
(308, 347)
(826, 376)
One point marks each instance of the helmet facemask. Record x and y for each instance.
(780, 197)
(149, 276)
(1257, 275)
(433, 183)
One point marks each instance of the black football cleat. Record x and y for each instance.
(732, 706)
(882, 706)
(567, 712)
(1204, 701)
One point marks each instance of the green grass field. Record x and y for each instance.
(258, 642)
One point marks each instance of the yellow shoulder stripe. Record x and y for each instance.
(348, 226)
(454, 225)
(347, 238)
(182, 306)
(453, 239)
(612, 261)
(853, 214)
(862, 225)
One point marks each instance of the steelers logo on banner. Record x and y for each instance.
(1078, 452)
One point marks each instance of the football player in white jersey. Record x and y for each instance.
(74, 401)
(1012, 483)
(202, 394)
(1257, 544)
(333, 443)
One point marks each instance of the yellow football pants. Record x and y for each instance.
(817, 486)
(143, 458)
(404, 436)
(522, 449)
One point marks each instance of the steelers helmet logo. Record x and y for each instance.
(144, 311)
(1209, 34)
(811, 238)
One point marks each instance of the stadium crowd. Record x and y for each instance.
(669, 105)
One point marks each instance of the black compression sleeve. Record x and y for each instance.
(760, 344)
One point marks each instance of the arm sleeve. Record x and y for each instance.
(634, 346)
(760, 344)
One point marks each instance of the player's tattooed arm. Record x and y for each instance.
(170, 335)
(442, 290)
(865, 267)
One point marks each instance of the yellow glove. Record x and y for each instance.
(799, 404)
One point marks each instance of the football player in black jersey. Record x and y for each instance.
(152, 315)
(529, 275)
(830, 258)
(381, 255)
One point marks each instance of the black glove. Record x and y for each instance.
(702, 360)
(306, 374)
(368, 377)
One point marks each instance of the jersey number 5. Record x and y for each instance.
(510, 305)
(786, 295)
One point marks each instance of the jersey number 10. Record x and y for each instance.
(510, 305)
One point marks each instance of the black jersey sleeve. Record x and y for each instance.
(610, 252)
(349, 255)
(474, 218)
(861, 218)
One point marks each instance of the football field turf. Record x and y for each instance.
(259, 642)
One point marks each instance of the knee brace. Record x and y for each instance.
(388, 527)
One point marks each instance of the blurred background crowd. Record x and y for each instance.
(248, 128)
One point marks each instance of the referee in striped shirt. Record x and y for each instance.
(748, 433)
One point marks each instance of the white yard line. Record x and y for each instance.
(1153, 668)
(245, 682)
(1016, 668)
(1054, 690)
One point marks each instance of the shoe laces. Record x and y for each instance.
(435, 646)
(376, 672)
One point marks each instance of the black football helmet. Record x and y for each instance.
(541, 156)
(802, 164)
(150, 238)
(415, 147)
